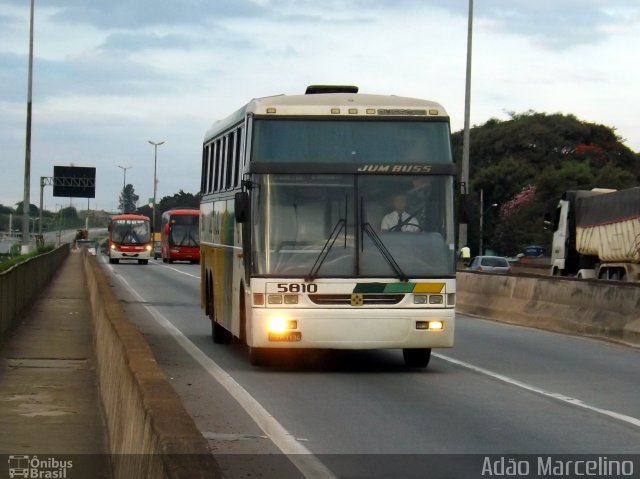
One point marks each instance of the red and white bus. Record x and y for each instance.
(130, 238)
(180, 235)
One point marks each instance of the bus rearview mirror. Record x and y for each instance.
(241, 206)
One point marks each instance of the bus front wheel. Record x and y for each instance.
(416, 358)
(258, 356)
(219, 334)
(143, 261)
(114, 260)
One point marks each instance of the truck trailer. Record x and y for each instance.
(596, 234)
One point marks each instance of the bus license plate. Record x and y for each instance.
(289, 336)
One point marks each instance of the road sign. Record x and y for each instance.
(74, 181)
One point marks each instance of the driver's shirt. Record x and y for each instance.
(393, 218)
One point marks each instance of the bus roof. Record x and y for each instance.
(182, 211)
(129, 216)
(332, 105)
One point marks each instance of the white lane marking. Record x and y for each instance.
(178, 271)
(308, 464)
(558, 396)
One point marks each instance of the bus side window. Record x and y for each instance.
(238, 158)
(203, 175)
(231, 139)
(218, 160)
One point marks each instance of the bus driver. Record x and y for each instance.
(399, 219)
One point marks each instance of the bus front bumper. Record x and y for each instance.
(351, 328)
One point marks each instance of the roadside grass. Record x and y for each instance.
(9, 263)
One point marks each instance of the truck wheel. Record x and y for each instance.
(416, 358)
(219, 334)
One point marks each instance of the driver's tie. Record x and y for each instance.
(399, 225)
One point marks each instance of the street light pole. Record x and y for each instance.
(464, 173)
(482, 213)
(26, 200)
(155, 144)
(124, 181)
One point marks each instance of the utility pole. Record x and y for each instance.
(42, 183)
(464, 173)
(155, 144)
(26, 200)
(482, 213)
(124, 182)
(481, 249)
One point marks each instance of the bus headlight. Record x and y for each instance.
(274, 299)
(420, 299)
(433, 325)
(277, 299)
(436, 299)
(148, 247)
(278, 324)
(113, 246)
(290, 299)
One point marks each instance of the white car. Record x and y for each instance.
(90, 245)
(490, 264)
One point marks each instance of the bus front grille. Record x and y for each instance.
(345, 299)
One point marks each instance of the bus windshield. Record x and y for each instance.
(351, 141)
(353, 226)
(184, 230)
(130, 231)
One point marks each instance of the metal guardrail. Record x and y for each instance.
(21, 285)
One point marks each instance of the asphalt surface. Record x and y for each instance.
(502, 390)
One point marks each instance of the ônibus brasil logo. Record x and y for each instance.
(33, 467)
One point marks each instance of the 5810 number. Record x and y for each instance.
(297, 288)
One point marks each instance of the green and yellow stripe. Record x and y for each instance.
(381, 288)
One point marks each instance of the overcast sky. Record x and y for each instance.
(108, 76)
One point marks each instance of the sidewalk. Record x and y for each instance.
(49, 402)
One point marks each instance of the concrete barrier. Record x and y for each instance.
(604, 309)
(150, 432)
(21, 284)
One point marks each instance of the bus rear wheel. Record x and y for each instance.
(416, 358)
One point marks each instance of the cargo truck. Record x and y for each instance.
(596, 234)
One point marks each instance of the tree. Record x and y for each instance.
(552, 153)
(128, 199)
(7, 210)
(179, 200)
(69, 213)
(33, 209)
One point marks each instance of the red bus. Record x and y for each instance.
(130, 238)
(180, 235)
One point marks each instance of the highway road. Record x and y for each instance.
(502, 390)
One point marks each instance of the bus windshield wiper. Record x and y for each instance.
(386, 254)
(337, 229)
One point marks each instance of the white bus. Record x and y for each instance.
(327, 221)
(129, 238)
